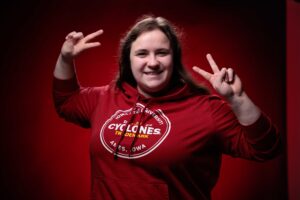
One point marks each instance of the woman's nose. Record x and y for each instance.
(153, 62)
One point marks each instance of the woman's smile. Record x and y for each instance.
(151, 62)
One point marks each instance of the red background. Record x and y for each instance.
(293, 98)
(44, 157)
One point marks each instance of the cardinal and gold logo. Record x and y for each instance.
(149, 129)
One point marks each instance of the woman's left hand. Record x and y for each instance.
(224, 81)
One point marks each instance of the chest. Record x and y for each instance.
(165, 134)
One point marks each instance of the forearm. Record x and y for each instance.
(245, 110)
(64, 68)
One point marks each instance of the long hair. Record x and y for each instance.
(145, 24)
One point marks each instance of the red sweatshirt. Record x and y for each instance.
(160, 148)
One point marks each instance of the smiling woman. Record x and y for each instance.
(142, 118)
(152, 63)
(165, 53)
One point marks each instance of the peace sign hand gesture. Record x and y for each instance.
(224, 81)
(229, 85)
(76, 43)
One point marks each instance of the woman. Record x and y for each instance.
(155, 133)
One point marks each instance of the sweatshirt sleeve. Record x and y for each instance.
(74, 103)
(259, 141)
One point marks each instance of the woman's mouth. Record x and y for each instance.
(153, 72)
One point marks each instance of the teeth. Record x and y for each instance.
(152, 73)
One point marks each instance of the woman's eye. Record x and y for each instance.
(141, 54)
(162, 53)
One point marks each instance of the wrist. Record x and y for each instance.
(66, 59)
(243, 107)
(237, 99)
(65, 68)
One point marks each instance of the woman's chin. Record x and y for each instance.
(153, 90)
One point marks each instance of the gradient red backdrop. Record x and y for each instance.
(44, 157)
(293, 98)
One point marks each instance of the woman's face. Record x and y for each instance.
(151, 60)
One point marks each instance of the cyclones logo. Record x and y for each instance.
(150, 128)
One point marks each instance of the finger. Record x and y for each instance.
(219, 78)
(70, 35)
(212, 63)
(230, 75)
(226, 77)
(238, 82)
(202, 72)
(91, 45)
(93, 35)
(78, 36)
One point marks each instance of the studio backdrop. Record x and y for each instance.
(43, 157)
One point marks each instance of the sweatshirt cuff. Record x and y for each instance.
(259, 129)
(68, 85)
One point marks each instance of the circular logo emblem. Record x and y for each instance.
(138, 132)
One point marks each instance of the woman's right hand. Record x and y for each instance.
(76, 43)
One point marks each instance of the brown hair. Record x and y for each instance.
(149, 23)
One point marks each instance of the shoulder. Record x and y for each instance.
(218, 104)
(100, 90)
(212, 103)
(209, 99)
(94, 89)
